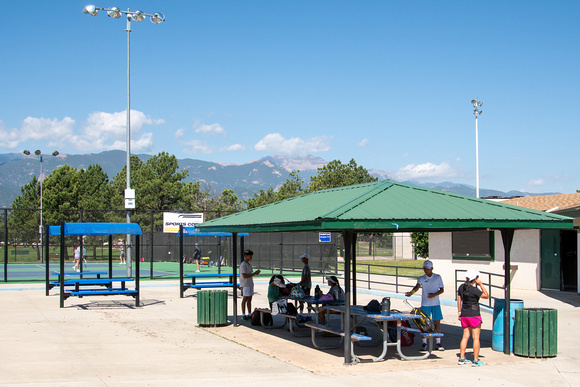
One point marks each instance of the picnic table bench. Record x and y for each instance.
(428, 335)
(291, 319)
(106, 287)
(354, 337)
(195, 284)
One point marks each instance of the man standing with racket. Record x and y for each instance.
(432, 285)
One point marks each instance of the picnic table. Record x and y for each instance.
(85, 287)
(195, 284)
(359, 311)
(314, 303)
(82, 274)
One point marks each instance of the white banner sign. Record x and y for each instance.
(172, 221)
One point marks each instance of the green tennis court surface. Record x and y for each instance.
(21, 272)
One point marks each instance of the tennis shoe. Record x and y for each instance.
(439, 347)
(463, 362)
(424, 347)
(478, 363)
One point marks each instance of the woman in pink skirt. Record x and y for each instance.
(468, 296)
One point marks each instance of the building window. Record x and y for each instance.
(476, 245)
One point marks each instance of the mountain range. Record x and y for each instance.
(16, 170)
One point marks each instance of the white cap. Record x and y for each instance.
(305, 255)
(471, 274)
(278, 282)
(427, 265)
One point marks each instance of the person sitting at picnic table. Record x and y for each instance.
(276, 282)
(336, 292)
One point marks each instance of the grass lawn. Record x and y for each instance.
(405, 268)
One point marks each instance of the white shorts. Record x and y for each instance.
(248, 291)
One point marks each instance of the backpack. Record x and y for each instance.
(256, 318)
(425, 324)
(291, 309)
(279, 307)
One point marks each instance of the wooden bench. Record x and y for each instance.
(291, 319)
(429, 336)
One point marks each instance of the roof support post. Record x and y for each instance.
(62, 248)
(354, 238)
(180, 258)
(235, 275)
(507, 235)
(347, 235)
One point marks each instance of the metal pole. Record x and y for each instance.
(41, 231)
(476, 158)
(128, 139)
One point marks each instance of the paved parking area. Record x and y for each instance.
(107, 342)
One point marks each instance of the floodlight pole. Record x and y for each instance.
(476, 111)
(40, 178)
(129, 196)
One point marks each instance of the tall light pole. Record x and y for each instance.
(156, 18)
(40, 178)
(476, 111)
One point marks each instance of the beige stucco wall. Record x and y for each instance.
(525, 255)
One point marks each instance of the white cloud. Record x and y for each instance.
(109, 131)
(179, 133)
(274, 142)
(426, 170)
(536, 183)
(364, 143)
(9, 138)
(197, 146)
(39, 129)
(209, 129)
(233, 148)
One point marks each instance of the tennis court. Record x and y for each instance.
(21, 272)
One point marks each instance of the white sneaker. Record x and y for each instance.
(198, 271)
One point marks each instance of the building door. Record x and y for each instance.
(569, 260)
(550, 275)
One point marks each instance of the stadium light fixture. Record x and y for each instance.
(476, 111)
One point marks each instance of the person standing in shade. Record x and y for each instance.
(306, 279)
(468, 296)
(197, 256)
(247, 283)
(432, 285)
(121, 247)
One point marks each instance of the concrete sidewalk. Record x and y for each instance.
(105, 341)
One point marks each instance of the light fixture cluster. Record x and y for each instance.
(38, 152)
(476, 104)
(116, 13)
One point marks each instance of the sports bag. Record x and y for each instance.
(256, 318)
(297, 292)
(279, 307)
(407, 338)
(425, 324)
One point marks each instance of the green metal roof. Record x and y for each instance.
(387, 206)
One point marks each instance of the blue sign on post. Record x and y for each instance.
(323, 237)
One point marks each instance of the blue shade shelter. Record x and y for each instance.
(193, 231)
(82, 229)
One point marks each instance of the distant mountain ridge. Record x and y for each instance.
(16, 170)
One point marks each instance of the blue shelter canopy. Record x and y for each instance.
(97, 229)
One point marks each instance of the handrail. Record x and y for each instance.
(489, 284)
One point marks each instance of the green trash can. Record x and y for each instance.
(536, 332)
(212, 307)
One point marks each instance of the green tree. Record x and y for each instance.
(290, 188)
(336, 174)
(420, 242)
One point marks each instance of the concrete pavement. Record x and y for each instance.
(105, 341)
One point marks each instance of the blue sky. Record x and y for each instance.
(388, 83)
